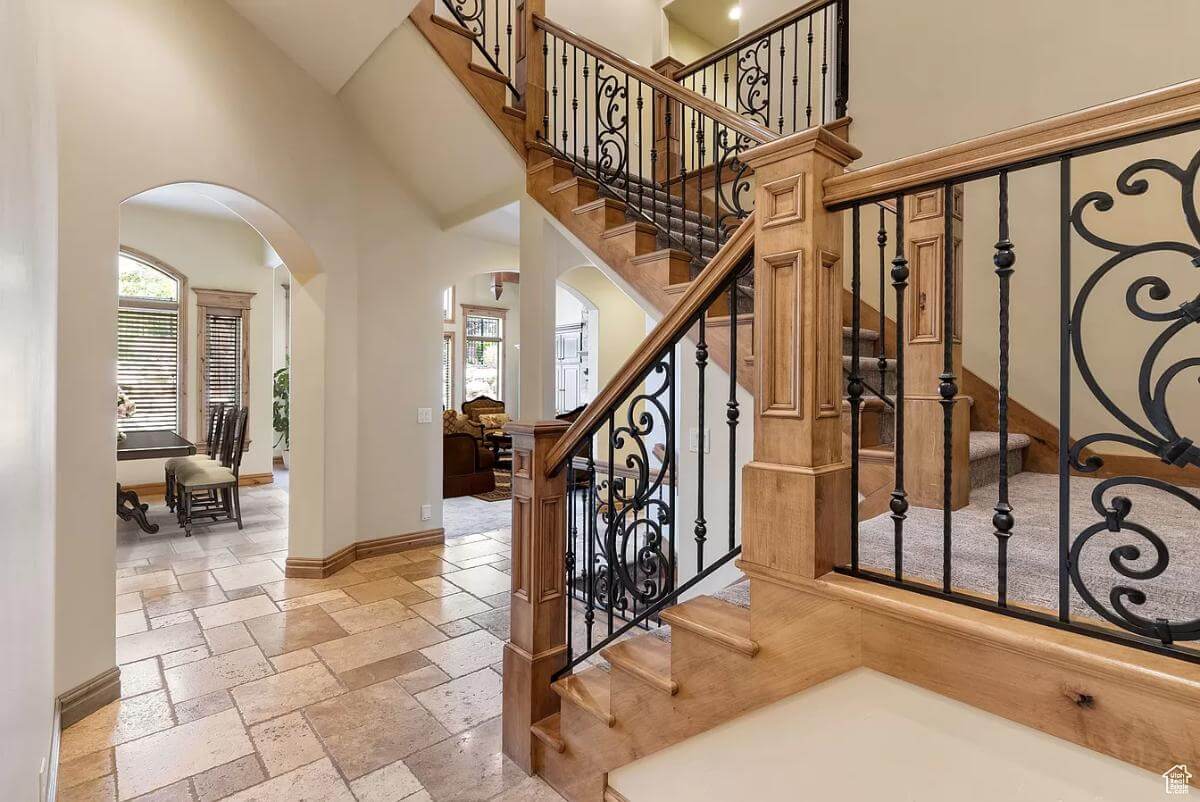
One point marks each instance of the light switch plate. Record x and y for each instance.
(426, 512)
(425, 415)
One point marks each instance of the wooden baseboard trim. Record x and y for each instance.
(85, 699)
(153, 489)
(320, 568)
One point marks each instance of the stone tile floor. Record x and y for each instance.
(379, 684)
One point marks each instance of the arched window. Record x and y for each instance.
(151, 355)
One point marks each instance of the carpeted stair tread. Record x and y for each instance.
(737, 594)
(987, 444)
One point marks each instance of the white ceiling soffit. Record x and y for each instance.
(441, 144)
(328, 39)
(500, 225)
(706, 18)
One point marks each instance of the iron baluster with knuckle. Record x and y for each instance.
(623, 516)
(1112, 568)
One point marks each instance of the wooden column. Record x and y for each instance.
(925, 246)
(796, 491)
(529, 71)
(537, 644)
(667, 142)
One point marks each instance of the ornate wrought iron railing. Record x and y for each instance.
(629, 554)
(1115, 186)
(645, 140)
(493, 24)
(788, 75)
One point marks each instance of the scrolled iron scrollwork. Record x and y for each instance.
(754, 81)
(632, 564)
(1158, 435)
(733, 187)
(612, 112)
(469, 13)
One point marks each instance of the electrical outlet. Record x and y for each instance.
(426, 512)
(425, 415)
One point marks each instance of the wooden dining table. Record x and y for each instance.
(146, 445)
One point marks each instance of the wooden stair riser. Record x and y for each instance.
(602, 215)
(571, 194)
(667, 268)
(636, 237)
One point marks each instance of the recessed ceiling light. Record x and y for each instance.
(735, 13)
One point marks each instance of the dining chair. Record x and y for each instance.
(216, 422)
(211, 491)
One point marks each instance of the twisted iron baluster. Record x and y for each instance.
(947, 386)
(589, 614)
(731, 408)
(570, 560)
(808, 108)
(1002, 520)
(881, 239)
(701, 528)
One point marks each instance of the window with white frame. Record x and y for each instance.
(483, 352)
(151, 319)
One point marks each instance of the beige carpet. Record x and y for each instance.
(1033, 547)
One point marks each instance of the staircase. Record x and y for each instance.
(728, 277)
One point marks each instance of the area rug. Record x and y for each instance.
(503, 491)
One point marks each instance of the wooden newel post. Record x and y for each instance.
(796, 491)
(537, 644)
(529, 71)
(668, 116)
(924, 416)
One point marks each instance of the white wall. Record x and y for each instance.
(28, 277)
(215, 254)
(634, 28)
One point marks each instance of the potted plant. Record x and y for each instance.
(125, 409)
(280, 409)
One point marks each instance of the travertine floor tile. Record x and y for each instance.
(316, 781)
(216, 673)
(286, 743)
(296, 629)
(273, 696)
(372, 727)
(482, 581)
(300, 657)
(465, 654)
(382, 670)
(235, 577)
(132, 648)
(203, 706)
(450, 608)
(171, 755)
(216, 559)
(497, 622)
(200, 579)
(128, 602)
(190, 655)
(158, 579)
(380, 589)
(292, 588)
(228, 638)
(175, 792)
(372, 616)
(422, 679)
(84, 768)
(230, 612)
(183, 600)
(436, 586)
(480, 548)
(374, 645)
(392, 783)
(102, 789)
(466, 768)
(462, 703)
(131, 623)
(533, 789)
(140, 677)
(458, 627)
(316, 598)
(220, 782)
(424, 569)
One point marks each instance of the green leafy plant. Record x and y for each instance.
(281, 408)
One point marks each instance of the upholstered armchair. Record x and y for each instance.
(467, 467)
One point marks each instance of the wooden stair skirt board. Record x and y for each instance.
(1133, 705)
(160, 488)
(318, 568)
(88, 697)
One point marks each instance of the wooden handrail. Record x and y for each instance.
(678, 320)
(663, 84)
(758, 33)
(1025, 145)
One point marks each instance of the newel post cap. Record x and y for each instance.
(820, 139)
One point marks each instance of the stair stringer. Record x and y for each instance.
(799, 645)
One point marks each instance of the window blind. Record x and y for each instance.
(222, 359)
(148, 367)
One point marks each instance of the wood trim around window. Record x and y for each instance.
(449, 335)
(182, 312)
(451, 306)
(228, 301)
(485, 311)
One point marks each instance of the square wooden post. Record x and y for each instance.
(529, 71)
(537, 644)
(668, 116)
(925, 334)
(796, 491)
